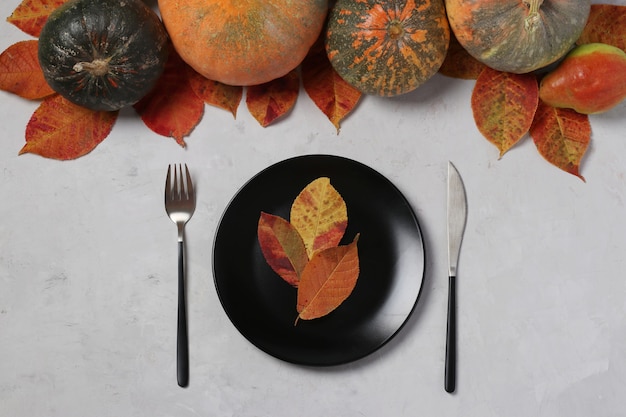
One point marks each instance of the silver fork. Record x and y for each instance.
(180, 203)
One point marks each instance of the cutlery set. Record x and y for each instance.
(180, 202)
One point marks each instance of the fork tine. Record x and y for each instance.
(168, 184)
(175, 190)
(190, 193)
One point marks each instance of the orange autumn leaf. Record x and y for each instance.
(606, 24)
(504, 105)
(59, 129)
(320, 215)
(217, 94)
(459, 63)
(20, 72)
(330, 93)
(561, 136)
(328, 280)
(31, 15)
(172, 108)
(282, 247)
(267, 102)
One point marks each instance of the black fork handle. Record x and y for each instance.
(182, 345)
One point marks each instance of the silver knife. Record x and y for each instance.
(457, 217)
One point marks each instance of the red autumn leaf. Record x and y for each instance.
(606, 24)
(561, 136)
(59, 129)
(459, 63)
(172, 108)
(320, 215)
(216, 93)
(20, 72)
(31, 15)
(330, 93)
(282, 247)
(328, 280)
(504, 105)
(267, 102)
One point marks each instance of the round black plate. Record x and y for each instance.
(391, 252)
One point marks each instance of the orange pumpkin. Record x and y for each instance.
(243, 42)
(387, 47)
(517, 36)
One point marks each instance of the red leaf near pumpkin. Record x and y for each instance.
(172, 108)
(217, 94)
(282, 247)
(504, 105)
(606, 24)
(267, 102)
(330, 93)
(328, 280)
(31, 15)
(59, 129)
(20, 72)
(459, 63)
(561, 136)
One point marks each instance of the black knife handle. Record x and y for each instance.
(182, 348)
(450, 372)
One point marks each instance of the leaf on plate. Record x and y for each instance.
(282, 247)
(320, 215)
(59, 129)
(215, 93)
(459, 63)
(504, 105)
(172, 108)
(31, 15)
(606, 24)
(330, 93)
(561, 136)
(328, 279)
(20, 72)
(272, 100)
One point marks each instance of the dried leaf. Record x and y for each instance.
(215, 93)
(320, 215)
(20, 72)
(459, 63)
(282, 247)
(561, 136)
(327, 280)
(31, 15)
(330, 93)
(172, 108)
(606, 24)
(504, 105)
(62, 130)
(267, 102)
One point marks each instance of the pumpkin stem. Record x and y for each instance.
(395, 29)
(533, 14)
(97, 67)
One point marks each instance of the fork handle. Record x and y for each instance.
(182, 346)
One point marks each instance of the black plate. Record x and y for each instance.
(391, 251)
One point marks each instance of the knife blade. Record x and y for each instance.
(457, 218)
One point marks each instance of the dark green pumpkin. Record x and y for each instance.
(387, 47)
(103, 54)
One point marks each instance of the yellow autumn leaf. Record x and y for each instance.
(320, 215)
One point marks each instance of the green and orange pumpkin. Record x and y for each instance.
(243, 42)
(517, 36)
(387, 47)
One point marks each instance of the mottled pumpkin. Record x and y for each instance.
(103, 54)
(241, 42)
(387, 47)
(517, 36)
